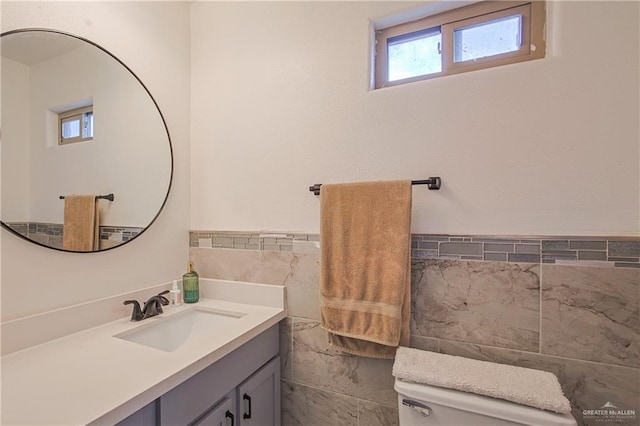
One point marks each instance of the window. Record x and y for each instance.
(75, 125)
(481, 35)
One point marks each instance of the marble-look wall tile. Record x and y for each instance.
(492, 303)
(306, 406)
(286, 346)
(591, 313)
(587, 385)
(425, 343)
(317, 364)
(370, 414)
(299, 272)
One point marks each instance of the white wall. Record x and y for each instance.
(15, 158)
(152, 38)
(280, 101)
(128, 156)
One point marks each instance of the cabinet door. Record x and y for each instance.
(258, 397)
(223, 414)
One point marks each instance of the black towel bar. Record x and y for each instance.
(109, 197)
(432, 183)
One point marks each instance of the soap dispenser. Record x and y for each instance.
(175, 295)
(190, 285)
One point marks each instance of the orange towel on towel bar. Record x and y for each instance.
(365, 266)
(81, 227)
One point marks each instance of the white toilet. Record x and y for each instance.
(420, 404)
(437, 389)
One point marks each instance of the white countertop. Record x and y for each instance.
(92, 377)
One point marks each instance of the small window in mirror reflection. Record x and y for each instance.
(75, 125)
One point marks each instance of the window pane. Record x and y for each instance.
(487, 38)
(71, 128)
(415, 54)
(87, 129)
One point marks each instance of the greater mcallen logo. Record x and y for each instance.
(609, 413)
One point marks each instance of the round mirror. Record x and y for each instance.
(86, 156)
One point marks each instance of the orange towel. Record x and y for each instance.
(81, 227)
(365, 261)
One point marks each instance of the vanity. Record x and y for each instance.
(226, 374)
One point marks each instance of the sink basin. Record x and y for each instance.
(169, 333)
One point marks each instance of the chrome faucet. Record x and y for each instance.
(152, 307)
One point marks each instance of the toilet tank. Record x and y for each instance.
(420, 404)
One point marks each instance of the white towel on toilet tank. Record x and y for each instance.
(525, 386)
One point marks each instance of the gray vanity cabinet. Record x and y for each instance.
(259, 397)
(222, 393)
(223, 414)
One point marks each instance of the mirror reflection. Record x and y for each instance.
(86, 156)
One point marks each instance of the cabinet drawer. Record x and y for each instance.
(189, 400)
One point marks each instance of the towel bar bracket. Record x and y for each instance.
(433, 183)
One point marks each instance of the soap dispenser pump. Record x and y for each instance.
(190, 285)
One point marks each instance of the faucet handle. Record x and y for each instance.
(152, 307)
(164, 300)
(136, 314)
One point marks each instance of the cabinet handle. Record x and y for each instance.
(229, 415)
(248, 399)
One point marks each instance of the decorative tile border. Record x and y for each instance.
(248, 240)
(50, 234)
(598, 251)
(594, 251)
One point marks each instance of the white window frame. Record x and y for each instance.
(533, 44)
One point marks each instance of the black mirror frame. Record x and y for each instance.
(164, 123)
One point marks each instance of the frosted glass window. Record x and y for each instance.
(487, 39)
(413, 55)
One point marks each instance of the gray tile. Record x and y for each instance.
(333, 370)
(472, 257)
(433, 237)
(469, 249)
(424, 254)
(528, 248)
(305, 406)
(224, 241)
(555, 245)
(627, 265)
(526, 258)
(496, 257)
(591, 313)
(495, 240)
(566, 256)
(587, 245)
(623, 259)
(624, 248)
(500, 247)
(592, 255)
(493, 303)
(428, 245)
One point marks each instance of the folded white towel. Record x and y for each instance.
(524, 386)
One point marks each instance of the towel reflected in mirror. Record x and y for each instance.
(81, 223)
